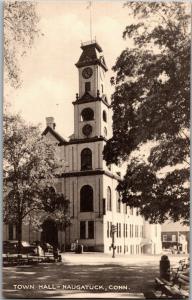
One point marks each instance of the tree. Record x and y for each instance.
(31, 164)
(151, 104)
(55, 206)
(20, 29)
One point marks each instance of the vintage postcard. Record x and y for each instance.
(96, 149)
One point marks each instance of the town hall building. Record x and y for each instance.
(87, 182)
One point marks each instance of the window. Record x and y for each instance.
(87, 114)
(90, 229)
(104, 116)
(104, 208)
(131, 211)
(131, 230)
(109, 199)
(110, 229)
(105, 131)
(86, 198)
(10, 231)
(119, 229)
(169, 238)
(164, 238)
(173, 238)
(132, 249)
(136, 230)
(107, 229)
(87, 86)
(102, 89)
(86, 229)
(118, 202)
(82, 229)
(86, 159)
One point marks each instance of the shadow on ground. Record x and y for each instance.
(135, 279)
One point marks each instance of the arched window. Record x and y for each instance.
(104, 116)
(109, 206)
(86, 159)
(86, 198)
(87, 114)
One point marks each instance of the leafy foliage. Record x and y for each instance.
(20, 30)
(151, 102)
(56, 206)
(31, 164)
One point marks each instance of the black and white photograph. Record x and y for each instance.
(96, 142)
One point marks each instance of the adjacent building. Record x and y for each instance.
(175, 237)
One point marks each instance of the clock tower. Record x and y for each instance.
(91, 108)
(89, 184)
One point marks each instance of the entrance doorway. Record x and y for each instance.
(50, 232)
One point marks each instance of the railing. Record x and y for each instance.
(89, 42)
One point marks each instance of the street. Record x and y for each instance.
(86, 275)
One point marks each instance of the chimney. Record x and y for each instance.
(50, 122)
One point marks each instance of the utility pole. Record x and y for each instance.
(113, 230)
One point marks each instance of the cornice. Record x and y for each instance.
(90, 173)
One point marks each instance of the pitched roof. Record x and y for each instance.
(91, 56)
(86, 97)
(60, 139)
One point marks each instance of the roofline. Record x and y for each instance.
(61, 140)
(91, 43)
(90, 101)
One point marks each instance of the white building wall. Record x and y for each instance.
(152, 233)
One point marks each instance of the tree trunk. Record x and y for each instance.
(19, 235)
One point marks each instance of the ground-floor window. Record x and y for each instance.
(107, 229)
(132, 249)
(82, 230)
(10, 231)
(137, 249)
(86, 229)
(110, 229)
(119, 229)
(90, 229)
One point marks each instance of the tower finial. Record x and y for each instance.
(89, 6)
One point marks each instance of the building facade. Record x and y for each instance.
(175, 237)
(88, 183)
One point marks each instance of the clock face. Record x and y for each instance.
(87, 72)
(87, 129)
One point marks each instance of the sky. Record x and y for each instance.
(50, 78)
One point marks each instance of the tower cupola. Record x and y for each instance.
(91, 55)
